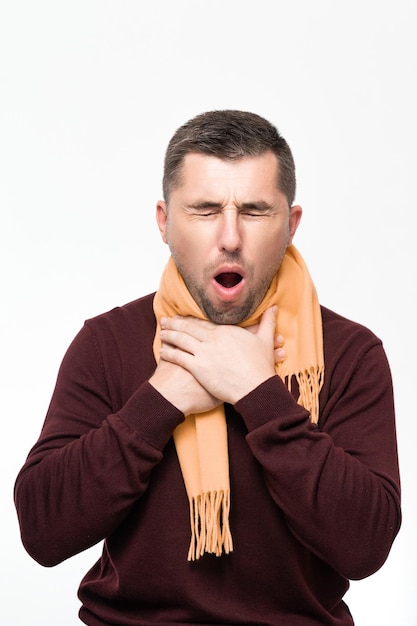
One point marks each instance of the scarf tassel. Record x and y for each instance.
(210, 530)
(310, 382)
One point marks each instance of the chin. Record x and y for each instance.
(231, 316)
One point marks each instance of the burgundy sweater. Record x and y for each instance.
(311, 506)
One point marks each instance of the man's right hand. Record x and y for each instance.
(180, 388)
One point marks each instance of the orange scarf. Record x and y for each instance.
(201, 440)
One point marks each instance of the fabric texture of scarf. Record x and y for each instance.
(201, 440)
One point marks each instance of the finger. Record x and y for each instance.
(279, 341)
(280, 355)
(179, 340)
(177, 357)
(192, 326)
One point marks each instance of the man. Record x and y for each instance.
(232, 442)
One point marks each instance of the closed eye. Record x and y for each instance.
(253, 213)
(249, 209)
(256, 209)
(205, 209)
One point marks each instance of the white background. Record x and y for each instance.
(91, 91)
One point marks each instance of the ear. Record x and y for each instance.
(295, 216)
(162, 218)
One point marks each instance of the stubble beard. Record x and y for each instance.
(230, 313)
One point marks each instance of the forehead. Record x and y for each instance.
(205, 173)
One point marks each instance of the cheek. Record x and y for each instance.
(188, 251)
(270, 252)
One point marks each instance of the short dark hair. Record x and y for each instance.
(229, 135)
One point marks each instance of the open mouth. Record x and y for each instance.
(228, 279)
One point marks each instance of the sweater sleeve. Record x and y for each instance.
(90, 464)
(337, 484)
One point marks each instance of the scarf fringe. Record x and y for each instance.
(210, 530)
(310, 383)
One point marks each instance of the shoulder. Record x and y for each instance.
(125, 314)
(339, 329)
(348, 343)
(130, 320)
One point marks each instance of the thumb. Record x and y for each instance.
(267, 324)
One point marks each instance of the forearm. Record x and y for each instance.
(342, 504)
(75, 489)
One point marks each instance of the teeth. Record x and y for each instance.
(228, 279)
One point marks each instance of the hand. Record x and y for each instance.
(279, 341)
(180, 388)
(228, 361)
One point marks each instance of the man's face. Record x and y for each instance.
(228, 226)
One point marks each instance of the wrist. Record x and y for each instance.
(245, 389)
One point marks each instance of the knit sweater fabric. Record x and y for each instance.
(312, 506)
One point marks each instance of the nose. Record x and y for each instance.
(229, 231)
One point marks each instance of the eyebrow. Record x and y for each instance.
(206, 205)
(257, 206)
